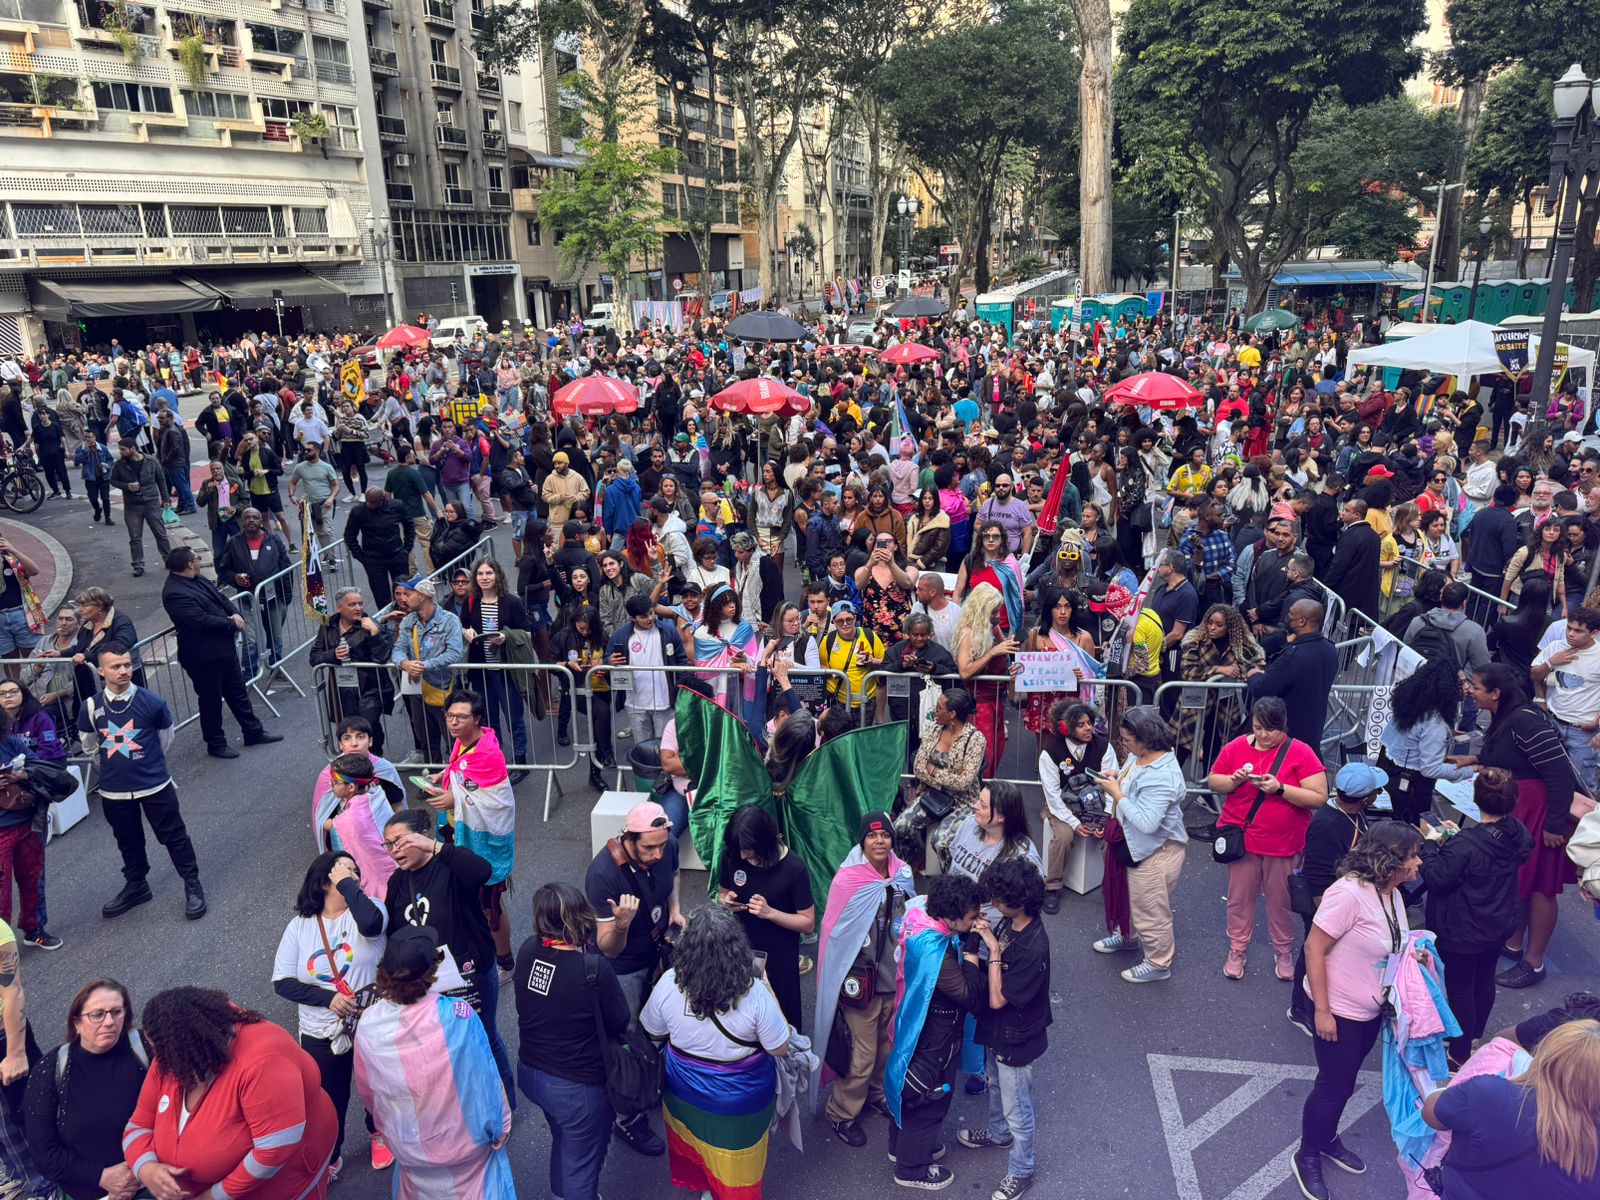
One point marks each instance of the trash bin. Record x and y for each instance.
(644, 761)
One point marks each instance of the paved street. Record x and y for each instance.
(1189, 1089)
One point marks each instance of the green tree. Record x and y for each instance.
(1510, 160)
(960, 99)
(606, 210)
(1222, 92)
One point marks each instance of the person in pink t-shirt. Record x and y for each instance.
(1271, 783)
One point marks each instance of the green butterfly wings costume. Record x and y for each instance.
(819, 814)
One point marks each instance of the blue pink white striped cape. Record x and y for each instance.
(923, 942)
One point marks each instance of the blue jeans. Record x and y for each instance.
(1584, 756)
(1011, 1111)
(220, 535)
(16, 639)
(677, 811)
(461, 493)
(178, 480)
(487, 982)
(579, 1117)
(636, 988)
(501, 693)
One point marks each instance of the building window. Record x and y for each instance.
(452, 175)
(311, 220)
(566, 63)
(447, 113)
(276, 109)
(38, 220)
(190, 219)
(333, 60)
(129, 97)
(246, 220)
(515, 110)
(269, 39)
(223, 106)
(533, 232)
(497, 179)
(438, 51)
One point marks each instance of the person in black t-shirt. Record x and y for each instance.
(1012, 1026)
(563, 1015)
(766, 885)
(633, 885)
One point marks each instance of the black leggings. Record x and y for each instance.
(54, 466)
(353, 456)
(1469, 986)
(336, 1072)
(1338, 1064)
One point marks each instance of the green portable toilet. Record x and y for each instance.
(1501, 301)
(997, 309)
(1060, 313)
(1531, 297)
(1095, 307)
(1456, 297)
(1129, 308)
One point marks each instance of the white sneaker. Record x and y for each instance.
(1145, 973)
(1114, 942)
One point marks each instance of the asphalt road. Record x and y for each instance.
(1189, 1088)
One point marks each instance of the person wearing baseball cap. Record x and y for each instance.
(856, 967)
(633, 885)
(427, 645)
(1334, 830)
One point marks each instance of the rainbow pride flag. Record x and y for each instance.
(718, 1115)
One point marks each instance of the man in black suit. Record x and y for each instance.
(206, 623)
(1353, 574)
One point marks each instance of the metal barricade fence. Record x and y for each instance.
(1484, 607)
(414, 735)
(1019, 760)
(56, 684)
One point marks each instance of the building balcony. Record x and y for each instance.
(391, 129)
(499, 199)
(488, 84)
(439, 12)
(445, 76)
(400, 193)
(384, 62)
(525, 200)
(455, 197)
(382, 5)
(450, 137)
(494, 142)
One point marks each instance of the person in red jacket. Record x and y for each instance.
(246, 1097)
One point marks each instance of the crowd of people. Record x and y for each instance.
(900, 550)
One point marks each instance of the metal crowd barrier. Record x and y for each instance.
(1019, 761)
(1207, 715)
(406, 740)
(1484, 607)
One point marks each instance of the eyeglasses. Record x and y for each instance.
(452, 717)
(993, 537)
(97, 1015)
(392, 843)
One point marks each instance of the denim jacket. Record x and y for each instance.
(439, 644)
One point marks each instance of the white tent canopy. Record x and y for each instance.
(1462, 350)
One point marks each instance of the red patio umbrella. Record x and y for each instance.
(404, 337)
(596, 395)
(908, 352)
(1155, 389)
(763, 394)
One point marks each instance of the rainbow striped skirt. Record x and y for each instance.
(718, 1115)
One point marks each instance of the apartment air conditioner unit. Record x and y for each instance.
(402, 160)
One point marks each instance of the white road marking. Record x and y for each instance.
(1183, 1139)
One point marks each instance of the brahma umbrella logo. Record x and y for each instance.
(1511, 348)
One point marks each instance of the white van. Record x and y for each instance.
(450, 328)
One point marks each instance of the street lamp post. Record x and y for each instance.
(1484, 225)
(907, 208)
(378, 231)
(1574, 178)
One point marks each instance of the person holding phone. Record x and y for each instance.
(767, 887)
(1271, 783)
(491, 609)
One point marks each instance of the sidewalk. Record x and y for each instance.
(54, 581)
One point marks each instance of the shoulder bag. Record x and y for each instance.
(632, 1060)
(1229, 844)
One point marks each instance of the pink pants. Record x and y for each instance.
(1248, 878)
(991, 722)
(480, 489)
(22, 860)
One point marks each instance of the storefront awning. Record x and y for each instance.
(78, 299)
(253, 289)
(1302, 277)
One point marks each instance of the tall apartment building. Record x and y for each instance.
(441, 130)
(701, 129)
(825, 189)
(175, 166)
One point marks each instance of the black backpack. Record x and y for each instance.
(1433, 642)
(632, 1060)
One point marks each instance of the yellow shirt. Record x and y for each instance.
(839, 655)
(1148, 635)
(1190, 482)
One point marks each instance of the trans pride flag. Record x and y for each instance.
(485, 813)
(923, 942)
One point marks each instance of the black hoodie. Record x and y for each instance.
(1472, 884)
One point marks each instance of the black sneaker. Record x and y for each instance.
(849, 1132)
(131, 896)
(1308, 1174)
(981, 1139)
(1052, 901)
(43, 940)
(1304, 1024)
(194, 901)
(638, 1136)
(879, 1106)
(1520, 976)
(975, 1085)
(1344, 1158)
(1011, 1186)
(933, 1178)
(563, 738)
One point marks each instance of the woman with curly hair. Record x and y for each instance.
(230, 1102)
(1423, 712)
(1220, 646)
(1358, 925)
(722, 1027)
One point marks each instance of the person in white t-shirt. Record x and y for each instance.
(1568, 674)
(935, 602)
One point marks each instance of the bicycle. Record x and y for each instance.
(21, 489)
